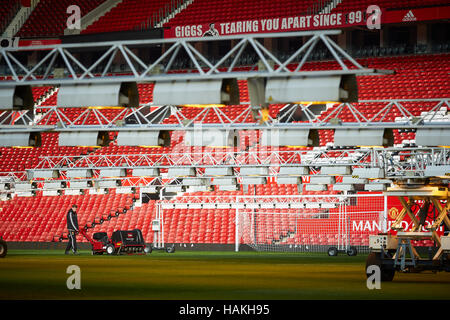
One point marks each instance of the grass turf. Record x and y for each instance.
(184, 275)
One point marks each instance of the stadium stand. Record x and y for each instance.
(43, 218)
(418, 75)
(8, 10)
(203, 11)
(429, 73)
(127, 15)
(16, 159)
(39, 24)
(351, 5)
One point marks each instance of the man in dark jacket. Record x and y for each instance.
(72, 228)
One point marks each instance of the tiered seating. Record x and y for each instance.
(39, 92)
(145, 92)
(7, 11)
(353, 5)
(218, 225)
(416, 77)
(136, 217)
(243, 91)
(51, 100)
(127, 15)
(203, 11)
(199, 226)
(40, 23)
(420, 76)
(18, 159)
(42, 218)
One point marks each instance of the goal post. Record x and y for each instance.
(314, 226)
(286, 223)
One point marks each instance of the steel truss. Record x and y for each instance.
(205, 159)
(162, 68)
(100, 71)
(396, 162)
(259, 199)
(146, 119)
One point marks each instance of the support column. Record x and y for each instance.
(384, 38)
(269, 44)
(343, 40)
(422, 35)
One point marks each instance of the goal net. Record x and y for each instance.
(312, 224)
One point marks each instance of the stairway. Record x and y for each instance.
(170, 15)
(330, 6)
(19, 20)
(284, 238)
(93, 16)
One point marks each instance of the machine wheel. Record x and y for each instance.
(3, 248)
(110, 249)
(387, 273)
(333, 252)
(170, 249)
(148, 248)
(352, 251)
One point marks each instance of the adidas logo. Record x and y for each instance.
(409, 16)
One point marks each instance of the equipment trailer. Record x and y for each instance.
(396, 253)
(121, 242)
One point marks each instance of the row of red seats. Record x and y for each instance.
(127, 15)
(7, 11)
(49, 18)
(416, 77)
(133, 14)
(207, 11)
(41, 218)
(40, 92)
(354, 5)
(15, 159)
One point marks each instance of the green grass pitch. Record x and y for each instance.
(184, 275)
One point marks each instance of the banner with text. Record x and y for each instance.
(302, 23)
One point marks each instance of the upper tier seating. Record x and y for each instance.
(49, 18)
(207, 11)
(353, 5)
(7, 11)
(127, 15)
(41, 218)
(416, 77)
(14, 159)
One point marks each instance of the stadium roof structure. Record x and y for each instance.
(159, 70)
(174, 86)
(420, 162)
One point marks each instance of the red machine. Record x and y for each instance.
(121, 242)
